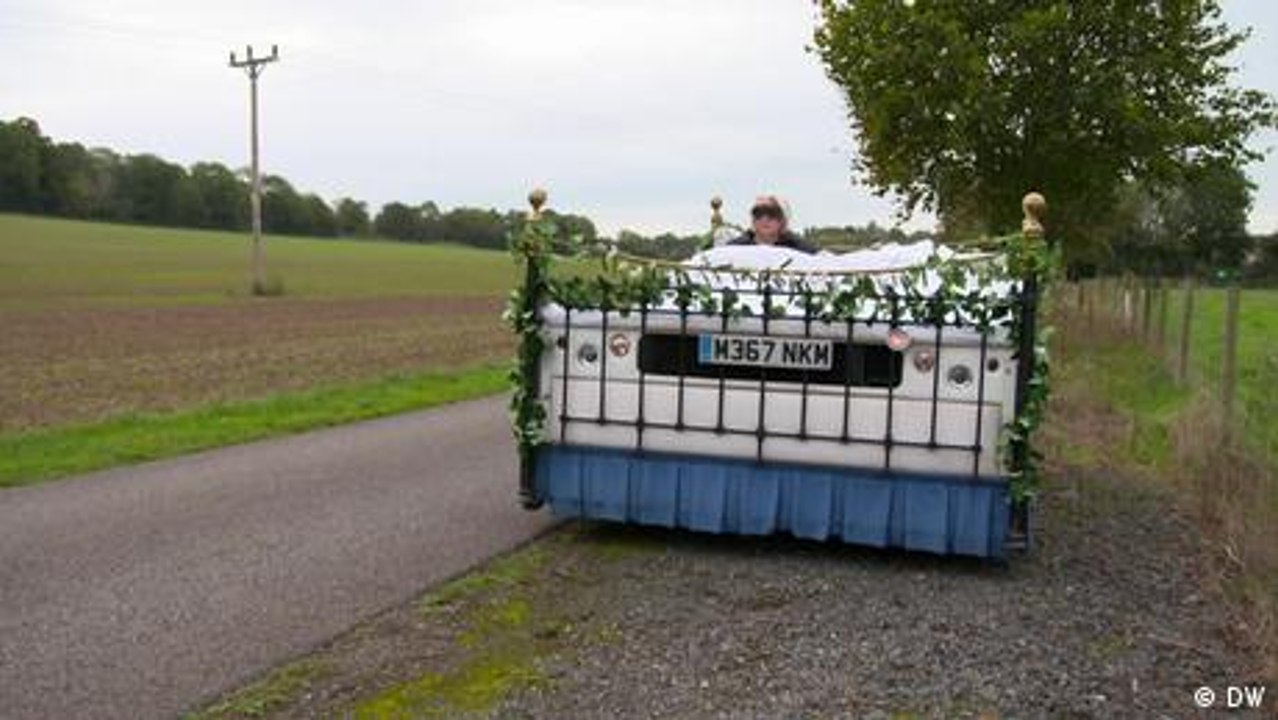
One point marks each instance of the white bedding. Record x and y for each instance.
(710, 267)
(765, 257)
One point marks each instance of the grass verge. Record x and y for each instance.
(1177, 435)
(32, 457)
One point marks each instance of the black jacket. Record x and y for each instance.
(787, 240)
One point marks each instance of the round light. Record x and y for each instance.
(588, 353)
(898, 339)
(619, 345)
(924, 361)
(992, 365)
(959, 375)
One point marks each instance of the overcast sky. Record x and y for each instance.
(631, 112)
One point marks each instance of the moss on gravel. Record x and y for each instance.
(281, 687)
(500, 575)
(621, 542)
(504, 631)
(474, 687)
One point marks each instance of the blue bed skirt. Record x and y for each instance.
(932, 513)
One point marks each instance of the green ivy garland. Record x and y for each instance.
(528, 416)
(623, 284)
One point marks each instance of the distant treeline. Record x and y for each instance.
(66, 179)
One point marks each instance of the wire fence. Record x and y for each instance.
(1218, 341)
(1218, 344)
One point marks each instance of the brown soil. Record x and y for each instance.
(63, 366)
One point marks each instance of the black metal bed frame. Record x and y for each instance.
(1023, 301)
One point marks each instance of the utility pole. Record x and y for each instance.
(254, 67)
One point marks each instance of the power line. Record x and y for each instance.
(254, 67)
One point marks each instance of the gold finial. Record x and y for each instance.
(1035, 207)
(716, 218)
(536, 198)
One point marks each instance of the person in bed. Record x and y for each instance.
(769, 226)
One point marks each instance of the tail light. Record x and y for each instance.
(619, 345)
(898, 339)
(924, 361)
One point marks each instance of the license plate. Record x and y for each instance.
(762, 351)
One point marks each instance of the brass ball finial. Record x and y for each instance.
(716, 218)
(537, 198)
(1035, 207)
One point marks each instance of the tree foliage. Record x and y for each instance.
(856, 237)
(961, 106)
(665, 246)
(1197, 225)
(352, 218)
(38, 175)
(1263, 265)
(21, 146)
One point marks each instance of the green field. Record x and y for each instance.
(1257, 355)
(125, 343)
(63, 263)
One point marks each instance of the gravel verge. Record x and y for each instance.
(1113, 614)
(1105, 618)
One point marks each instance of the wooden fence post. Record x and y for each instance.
(1093, 286)
(1229, 362)
(1124, 303)
(1186, 323)
(1147, 313)
(1161, 334)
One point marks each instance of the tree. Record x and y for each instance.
(351, 217)
(1197, 225)
(474, 226)
(68, 180)
(320, 220)
(21, 148)
(189, 208)
(666, 246)
(147, 190)
(398, 221)
(961, 107)
(284, 211)
(855, 237)
(1264, 261)
(108, 177)
(1207, 215)
(432, 221)
(225, 196)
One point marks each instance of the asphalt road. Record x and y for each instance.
(143, 591)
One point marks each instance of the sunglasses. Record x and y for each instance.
(759, 212)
